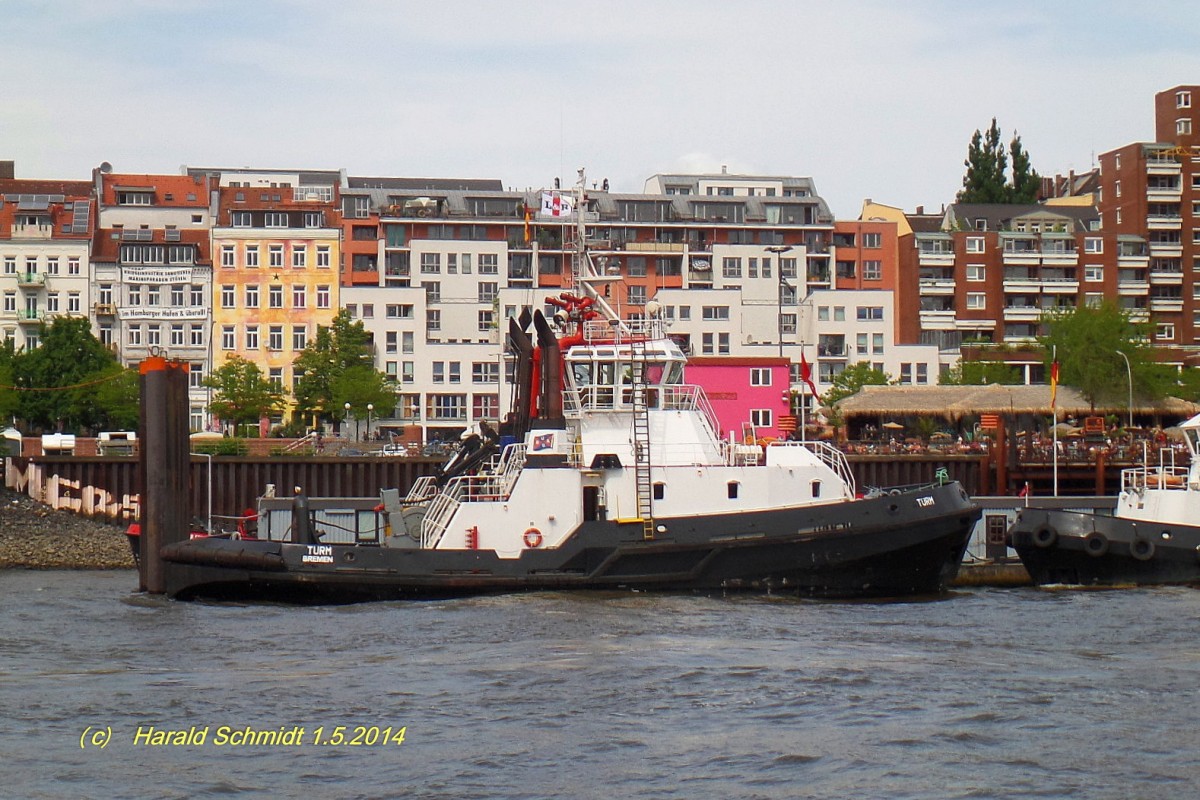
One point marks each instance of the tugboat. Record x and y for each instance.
(608, 473)
(1152, 538)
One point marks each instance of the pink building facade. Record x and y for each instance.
(745, 393)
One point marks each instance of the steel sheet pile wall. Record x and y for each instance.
(109, 487)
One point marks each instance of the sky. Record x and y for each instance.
(870, 99)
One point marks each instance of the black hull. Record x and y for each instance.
(1077, 548)
(893, 546)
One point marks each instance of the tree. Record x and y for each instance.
(986, 179)
(10, 401)
(361, 385)
(1026, 184)
(1087, 340)
(60, 378)
(986, 163)
(981, 373)
(851, 379)
(241, 393)
(119, 399)
(336, 350)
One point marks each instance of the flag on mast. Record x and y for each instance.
(1054, 388)
(806, 373)
(528, 220)
(555, 204)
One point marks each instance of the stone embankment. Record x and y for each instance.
(35, 536)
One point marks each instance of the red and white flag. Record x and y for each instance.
(555, 204)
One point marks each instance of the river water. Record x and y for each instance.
(985, 694)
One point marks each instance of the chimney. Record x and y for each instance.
(8, 170)
(920, 210)
(1070, 183)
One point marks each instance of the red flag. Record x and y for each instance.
(806, 373)
(1024, 491)
(1054, 384)
(528, 217)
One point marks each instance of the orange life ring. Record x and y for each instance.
(533, 538)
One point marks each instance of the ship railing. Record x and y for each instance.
(1160, 477)
(437, 519)
(493, 484)
(423, 488)
(670, 397)
(619, 331)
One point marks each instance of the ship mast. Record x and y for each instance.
(584, 275)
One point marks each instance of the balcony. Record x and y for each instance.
(1164, 193)
(832, 350)
(1060, 258)
(1017, 281)
(1060, 286)
(1166, 277)
(106, 310)
(31, 279)
(940, 320)
(935, 257)
(1166, 249)
(1164, 222)
(1022, 313)
(32, 231)
(1167, 304)
(933, 287)
(1137, 314)
(30, 317)
(1133, 287)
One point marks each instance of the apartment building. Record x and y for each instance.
(151, 277)
(45, 231)
(277, 253)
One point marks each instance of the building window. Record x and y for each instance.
(872, 241)
(877, 343)
(433, 319)
(275, 337)
(715, 313)
(323, 255)
(1183, 99)
(1183, 127)
(485, 372)
(872, 270)
(241, 219)
(905, 373)
(976, 272)
(400, 311)
(134, 337)
(228, 297)
(760, 376)
(275, 296)
(252, 256)
(407, 342)
(227, 337)
(761, 417)
(869, 313)
(251, 337)
(431, 263)
(275, 255)
(322, 297)
(1165, 332)
(299, 296)
(974, 244)
(976, 301)
(488, 291)
(196, 335)
(1093, 272)
(252, 296)
(485, 406)
(275, 219)
(487, 319)
(488, 264)
(731, 267)
(1093, 244)
(922, 373)
(299, 258)
(637, 295)
(176, 335)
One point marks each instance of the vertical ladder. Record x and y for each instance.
(641, 436)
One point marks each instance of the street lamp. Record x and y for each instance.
(346, 419)
(1129, 375)
(370, 408)
(779, 250)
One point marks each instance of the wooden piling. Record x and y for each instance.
(165, 468)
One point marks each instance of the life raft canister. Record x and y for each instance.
(533, 538)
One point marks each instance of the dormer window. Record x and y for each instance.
(1183, 99)
(135, 198)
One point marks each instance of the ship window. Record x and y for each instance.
(816, 488)
(732, 488)
(660, 491)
